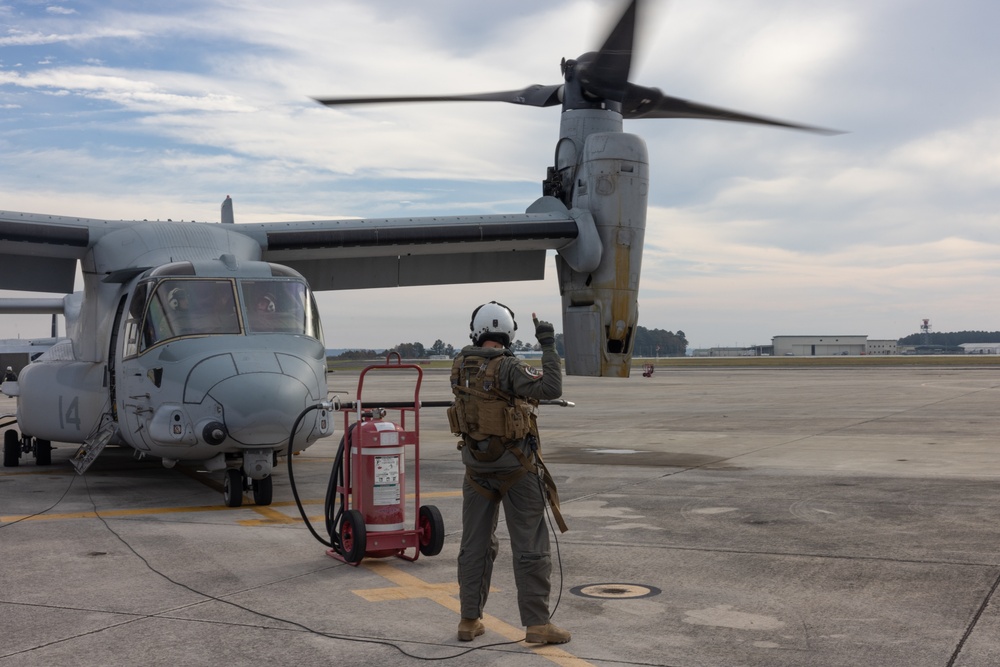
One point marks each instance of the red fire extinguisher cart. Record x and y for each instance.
(378, 520)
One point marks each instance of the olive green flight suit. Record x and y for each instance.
(523, 502)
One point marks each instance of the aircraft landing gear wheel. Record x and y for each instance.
(43, 452)
(263, 490)
(11, 449)
(353, 536)
(232, 487)
(431, 530)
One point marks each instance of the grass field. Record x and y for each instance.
(964, 360)
(967, 360)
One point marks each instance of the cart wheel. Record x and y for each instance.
(353, 536)
(263, 490)
(431, 531)
(232, 487)
(11, 448)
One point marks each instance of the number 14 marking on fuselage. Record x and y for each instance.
(71, 415)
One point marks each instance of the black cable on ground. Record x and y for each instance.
(263, 614)
(555, 538)
(32, 516)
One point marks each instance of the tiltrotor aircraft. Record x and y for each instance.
(202, 342)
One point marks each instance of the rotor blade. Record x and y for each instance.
(535, 96)
(607, 74)
(643, 102)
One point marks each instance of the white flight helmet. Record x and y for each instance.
(492, 321)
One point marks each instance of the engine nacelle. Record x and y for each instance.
(61, 400)
(600, 308)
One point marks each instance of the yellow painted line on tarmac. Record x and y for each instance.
(107, 514)
(49, 471)
(60, 469)
(271, 516)
(409, 587)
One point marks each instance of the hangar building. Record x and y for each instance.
(981, 348)
(819, 346)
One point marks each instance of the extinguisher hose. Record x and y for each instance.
(334, 504)
(332, 509)
(338, 462)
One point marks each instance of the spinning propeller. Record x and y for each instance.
(598, 81)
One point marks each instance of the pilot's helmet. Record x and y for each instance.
(492, 321)
(177, 298)
(265, 304)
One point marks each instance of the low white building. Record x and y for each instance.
(730, 352)
(819, 346)
(981, 348)
(882, 347)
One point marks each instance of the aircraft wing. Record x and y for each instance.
(38, 253)
(391, 252)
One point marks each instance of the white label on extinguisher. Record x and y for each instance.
(386, 490)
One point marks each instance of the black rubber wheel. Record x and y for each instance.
(431, 531)
(232, 487)
(353, 536)
(263, 490)
(11, 448)
(43, 452)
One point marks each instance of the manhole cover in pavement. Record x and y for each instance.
(615, 591)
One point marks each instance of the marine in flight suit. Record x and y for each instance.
(502, 469)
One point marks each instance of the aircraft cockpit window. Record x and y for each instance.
(134, 320)
(280, 306)
(190, 308)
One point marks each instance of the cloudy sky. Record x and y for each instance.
(128, 110)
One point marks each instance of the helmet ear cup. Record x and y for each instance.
(472, 322)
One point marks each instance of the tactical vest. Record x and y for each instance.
(483, 412)
(481, 409)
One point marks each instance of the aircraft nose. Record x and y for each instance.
(260, 408)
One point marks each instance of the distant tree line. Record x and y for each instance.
(405, 350)
(362, 355)
(659, 343)
(648, 343)
(951, 339)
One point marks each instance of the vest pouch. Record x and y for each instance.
(518, 421)
(455, 421)
(493, 418)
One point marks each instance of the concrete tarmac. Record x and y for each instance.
(718, 517)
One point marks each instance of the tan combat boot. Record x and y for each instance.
(469, 628)
(546, 634)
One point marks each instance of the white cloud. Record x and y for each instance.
(137, 91)
(17, 38)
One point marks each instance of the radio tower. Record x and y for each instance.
(926, 328)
